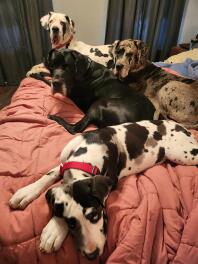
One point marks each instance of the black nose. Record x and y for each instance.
(119, 66)
(56, 85)
(55, 29)
(92, 255)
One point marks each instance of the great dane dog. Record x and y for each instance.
(174, 97)
(104, 99)
(62, 35)
(91, 165)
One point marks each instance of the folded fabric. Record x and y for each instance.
(189, 68)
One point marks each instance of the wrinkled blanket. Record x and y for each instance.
(152, 217)
(188, 68)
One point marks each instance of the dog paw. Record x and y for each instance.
(24, 196)
(53, 235)
(38, 69)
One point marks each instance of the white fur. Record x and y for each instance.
(175, 143)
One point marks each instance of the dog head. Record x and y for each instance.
(67, 67)
(60, 26)
(81, 205)
(129, 56)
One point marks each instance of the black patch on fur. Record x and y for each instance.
(80, 151)
(194, 152)
(179, 128)
(110, 64)
(192, 103)
(70, 154)
(98, 53)
(157, 136)
(64, 27)
(136, 137)
(50, 197)
(102, 136)
(58, 209)
(114, 161)
(160, 155)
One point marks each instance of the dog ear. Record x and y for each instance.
(57, 208)
(82, 64)
(101, 186)
(92, 191)
(45, 20)
(49, 60)
(142, 51)
(71, 23)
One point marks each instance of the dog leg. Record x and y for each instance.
(27, 194)
(53, 235)
(72, 128)
(183, 150)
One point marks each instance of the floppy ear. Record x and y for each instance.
(45, 20)
(101, 185)
(71, 23)
(142, 51)
(57, 208)
(48, 61)
(92, 191)
(82, 64)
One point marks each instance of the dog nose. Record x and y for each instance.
(56, 85)
(93, 255)
(55, 29)
(119, 66)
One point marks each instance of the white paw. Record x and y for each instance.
(24, 196)
(40, 68)
(53, 235)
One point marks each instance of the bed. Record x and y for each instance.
(152, 217)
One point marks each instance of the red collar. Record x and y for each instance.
(83, 166)
(65, 44)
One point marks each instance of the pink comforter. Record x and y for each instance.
(153, 217)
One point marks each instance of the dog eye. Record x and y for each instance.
(72, 223)
(93, 217)
(130, 54)
(120, 52)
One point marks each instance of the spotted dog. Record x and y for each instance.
(62, 34)
(174, 97)
(78, 203)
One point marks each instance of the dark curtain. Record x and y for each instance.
(23, 42)
(157, 22)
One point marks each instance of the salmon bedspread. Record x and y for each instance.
(152, 217)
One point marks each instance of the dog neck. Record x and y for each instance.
(145, 71)
(82, 166)
(65, 44)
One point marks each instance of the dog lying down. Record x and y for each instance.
(105, 100)
(174, 97)
(78, 203)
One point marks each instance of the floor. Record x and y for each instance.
(6, 93)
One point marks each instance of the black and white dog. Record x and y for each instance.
(62, 35)
(105, 100)
(91, 165)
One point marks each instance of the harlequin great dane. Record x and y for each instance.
(62, 34)
(174, 97)
(88, 178)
